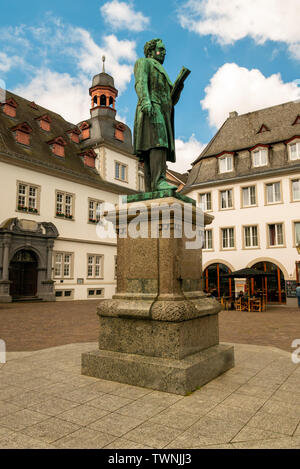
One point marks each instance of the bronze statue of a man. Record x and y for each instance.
(154, 118)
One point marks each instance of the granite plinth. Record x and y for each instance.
(160, 330)
(163, 374)
(174, 340)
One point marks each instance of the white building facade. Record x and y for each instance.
(248, 178)
(55, 178)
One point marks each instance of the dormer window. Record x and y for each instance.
(297, 120)
(263, 128)
(22, 133)
(225, 162)
(44, 122)
(259, 156)
(89, 157)
(57, 146)
(74, 135)
(85, 130)
(119, 131)
(10, 107)
(294, 148)
(34, 105)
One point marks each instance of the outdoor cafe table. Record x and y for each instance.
(252, 304)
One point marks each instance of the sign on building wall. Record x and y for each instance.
(240, 286)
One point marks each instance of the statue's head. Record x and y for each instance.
(155, 49)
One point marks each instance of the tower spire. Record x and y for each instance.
(103, 94)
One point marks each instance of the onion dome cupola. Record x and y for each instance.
(103, 94)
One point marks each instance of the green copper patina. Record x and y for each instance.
(154, 118)
(158, 194)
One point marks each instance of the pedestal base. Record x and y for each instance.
(162, 374)
(5, 296)
(160, 330)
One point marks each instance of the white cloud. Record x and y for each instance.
(121, 118)
(263, 20)
(5, 62)
(68, 93)
(59, 92)
(8, 61)
(234, 88)
(77, 43)
(294, 50)
(121, 15)
(89, 54)
(186, 153)
(14, 35)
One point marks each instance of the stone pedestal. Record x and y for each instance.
(159, 330)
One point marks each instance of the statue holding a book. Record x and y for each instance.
(154, 119)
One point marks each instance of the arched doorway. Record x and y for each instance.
(214, 280)
(23, 274)
(274, 285)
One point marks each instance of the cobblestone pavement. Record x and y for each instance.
(34, 326)
(46, 403)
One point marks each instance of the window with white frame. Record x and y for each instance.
(95, 292)
(205, 201)
(226, 198)
(227, 238)
(273, 193)
(94, 210)
(64, 205)
(260, 157)
(297, 232)
(296, 189)
(27, 197)
(276, 234)
(250, 236)
(64, 294)
(249, 196)
(120, 171)
(207, 241)
(225, 163)
(63, 264)
(95, 266)
(294, 151)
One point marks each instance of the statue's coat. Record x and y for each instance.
(153, 86)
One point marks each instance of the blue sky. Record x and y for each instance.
(243, 56)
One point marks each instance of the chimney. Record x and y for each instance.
(233, 114)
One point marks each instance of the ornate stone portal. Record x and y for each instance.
(159, 330)
(27, 240)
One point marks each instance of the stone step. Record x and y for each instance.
(30, 299)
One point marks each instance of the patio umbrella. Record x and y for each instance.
(248, 273)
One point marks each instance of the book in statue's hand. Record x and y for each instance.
(178, 84)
